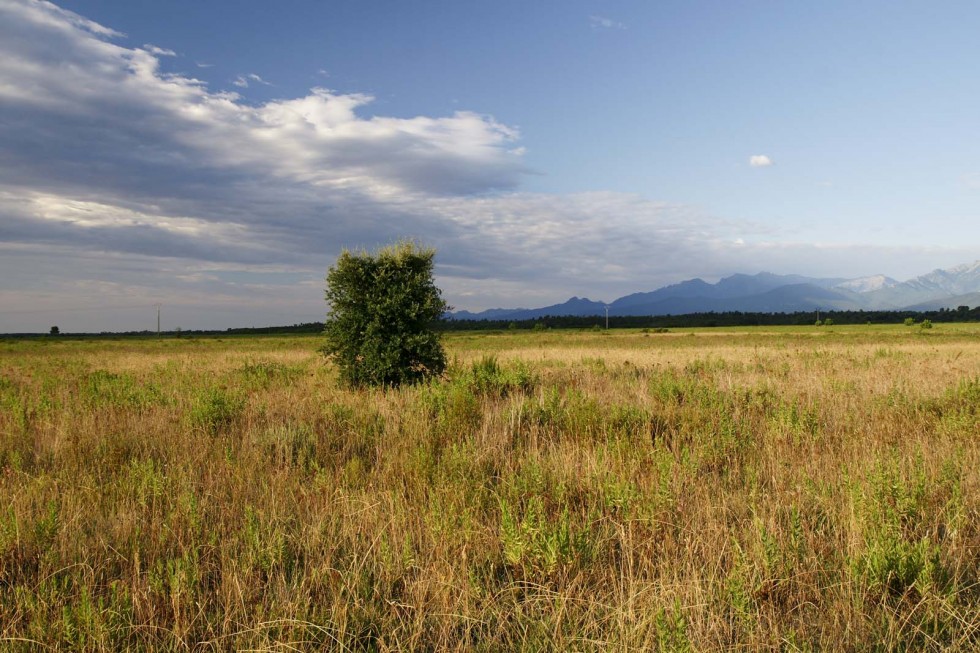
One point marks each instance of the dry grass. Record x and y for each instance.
(789, 489)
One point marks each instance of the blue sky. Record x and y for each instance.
(216, 156)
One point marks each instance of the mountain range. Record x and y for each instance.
(772, 293)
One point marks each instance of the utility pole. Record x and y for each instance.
(158, 320)
(607, 317)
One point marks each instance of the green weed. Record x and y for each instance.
(215, 409)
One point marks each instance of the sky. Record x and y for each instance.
(215, 157)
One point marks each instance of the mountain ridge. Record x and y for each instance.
(765, 292)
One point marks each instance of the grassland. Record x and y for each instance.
(751, 489)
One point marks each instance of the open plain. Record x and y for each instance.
(745, 489)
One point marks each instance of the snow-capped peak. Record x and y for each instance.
(965, 268)
(867, 284)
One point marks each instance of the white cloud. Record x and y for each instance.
(159, 52)
(601, 22)
(760, 161)
(243, 81)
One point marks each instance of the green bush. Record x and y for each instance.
(382, 306)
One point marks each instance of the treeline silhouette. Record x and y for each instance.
(725, 319)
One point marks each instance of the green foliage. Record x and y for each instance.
(925, 324)
(487, 377)
(909, 321)
(382, 306)
(899, 555)
(265, 374)
(539, 542)
(102, 388)
(214, 409)
(672, 629)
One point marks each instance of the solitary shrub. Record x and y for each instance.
(925, 324)
(382, 306)
(909, 321)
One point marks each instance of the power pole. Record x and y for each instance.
(158, 320)
(607, 317)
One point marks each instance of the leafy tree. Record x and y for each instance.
(382, 307)
(54, 331)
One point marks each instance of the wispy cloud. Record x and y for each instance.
(760, 161)
(243, 81)
(601, 22)
(158, 51)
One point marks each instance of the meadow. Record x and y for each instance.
(777, 488)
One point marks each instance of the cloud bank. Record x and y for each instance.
(122, 184)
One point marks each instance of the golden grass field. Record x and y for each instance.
(792, 489)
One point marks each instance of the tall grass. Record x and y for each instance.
(787, 489)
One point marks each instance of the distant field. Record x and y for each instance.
(771, 488)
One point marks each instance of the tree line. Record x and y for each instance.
(717, 319)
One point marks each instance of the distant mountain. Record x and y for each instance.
(960, 280)
(867, 284)
(733, 287)
(970, 299)
(772, 293)
(574, 306)
(763, 292)
(937, 286)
